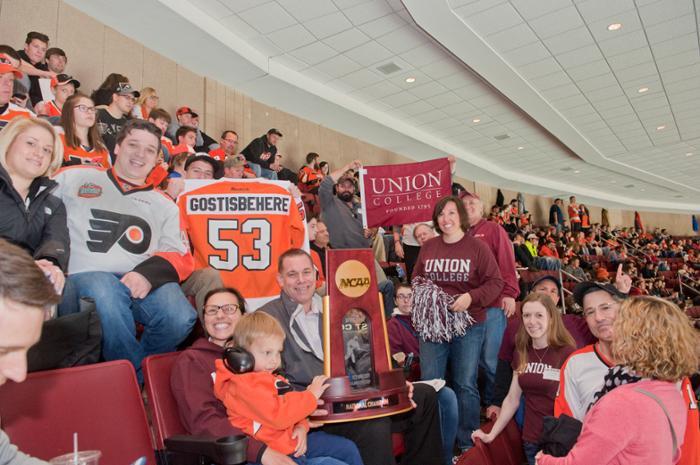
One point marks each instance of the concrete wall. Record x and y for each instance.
(94, 50)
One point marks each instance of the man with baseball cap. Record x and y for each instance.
(261, 152)
(342, 213)
(186, 116)
(8, 110)
(112, 119)
(582, 374)
(497, 240)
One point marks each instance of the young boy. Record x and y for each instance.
(263, 405)
(62, 86)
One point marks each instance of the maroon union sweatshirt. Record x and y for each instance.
(465, 266)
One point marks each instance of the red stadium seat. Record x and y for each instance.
(477, 455)
(531, 276)
(507, 447)
(693, 312)
(170, 436)
(101, 402)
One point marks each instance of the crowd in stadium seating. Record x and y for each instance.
(90, 189)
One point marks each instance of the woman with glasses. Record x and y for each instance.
(145, 103)
(32, 217)
(82, 143)
(201, 413)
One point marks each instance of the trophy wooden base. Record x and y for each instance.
(388, 396)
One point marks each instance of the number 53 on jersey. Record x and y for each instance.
(240, 228)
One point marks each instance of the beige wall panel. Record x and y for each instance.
(351, 149)
(289, 145)
(124, 56)
(261, 119)
(247, 116)
(330, 146)
(21, 16)
(190, 91)
(82, 38)
(310, 140)
(158, 72)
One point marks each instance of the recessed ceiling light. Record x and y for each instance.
(520, 147)
(577, 171)
(689, 154)
(660, 128)
(476, 120)
(614, 27)
(410, 80)
(643, 89)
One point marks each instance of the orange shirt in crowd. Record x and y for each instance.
(80, 156)
(47, 108)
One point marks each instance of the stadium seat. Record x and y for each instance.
(477, 455)
(173, 445)
(506, 448)
(101, 402)
(693, 312)
(531, 276)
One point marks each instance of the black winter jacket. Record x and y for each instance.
(39, 227)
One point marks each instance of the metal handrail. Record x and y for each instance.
(681, 284)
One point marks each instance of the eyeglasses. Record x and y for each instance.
(228, 309)
(603, 308)
(404, 296)
(85, 108)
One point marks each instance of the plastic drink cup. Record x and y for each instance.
(86, 457)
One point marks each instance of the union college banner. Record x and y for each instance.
(403, 194)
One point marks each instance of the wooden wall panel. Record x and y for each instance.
(18, 17)
(82, 38)
(124, 56)
(190, 91)
(158, 72)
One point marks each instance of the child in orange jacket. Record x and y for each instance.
(263, 404)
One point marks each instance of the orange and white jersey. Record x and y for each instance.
(80, 156)
(240, 227)
(14, 111)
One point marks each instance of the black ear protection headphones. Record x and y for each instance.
(238, 360)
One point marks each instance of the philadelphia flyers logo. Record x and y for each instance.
(132, 233)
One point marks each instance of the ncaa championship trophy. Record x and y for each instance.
(357, 358)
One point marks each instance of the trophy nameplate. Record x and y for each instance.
(357, 359)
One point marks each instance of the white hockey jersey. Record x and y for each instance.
(118, 228)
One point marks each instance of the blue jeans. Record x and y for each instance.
(166, 314)
(463, 354)
(387, 290)
(268, 174)
(447, 400)
(495, 327)
(530, 449)
(257, 169)
(328, 449)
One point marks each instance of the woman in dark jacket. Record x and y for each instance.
(32, 217)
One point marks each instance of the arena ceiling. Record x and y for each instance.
(598, 98)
